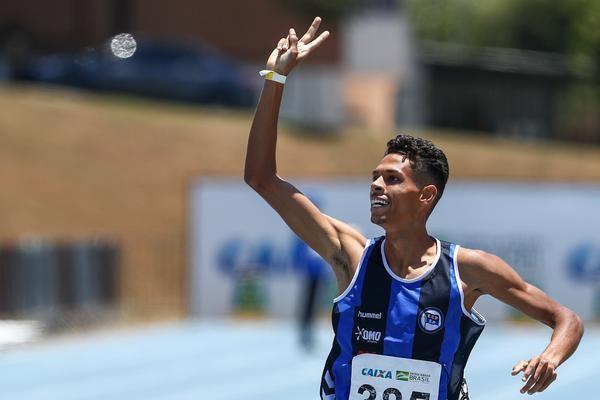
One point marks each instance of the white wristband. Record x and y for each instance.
(272, 76)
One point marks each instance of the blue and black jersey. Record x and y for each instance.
(422, 318)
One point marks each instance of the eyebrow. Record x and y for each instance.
(397, 171)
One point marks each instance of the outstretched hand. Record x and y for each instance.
(538, 372)
(290, 51)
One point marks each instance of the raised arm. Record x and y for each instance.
(338, 243)
(485, 273)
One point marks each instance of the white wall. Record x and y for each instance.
(549, 233)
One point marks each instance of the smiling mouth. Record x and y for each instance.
(378, 203)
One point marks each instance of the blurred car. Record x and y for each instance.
(176, 71)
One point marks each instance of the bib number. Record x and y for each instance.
(377, 377)
(391, 392)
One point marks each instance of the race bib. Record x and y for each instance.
(377, 377)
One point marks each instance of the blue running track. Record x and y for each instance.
(226, 360)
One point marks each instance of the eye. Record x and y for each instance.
(393, 178)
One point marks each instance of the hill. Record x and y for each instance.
(75, 164)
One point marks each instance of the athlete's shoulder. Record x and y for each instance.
(475, 258)
(479, 268)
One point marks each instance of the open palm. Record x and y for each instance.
(290, 51)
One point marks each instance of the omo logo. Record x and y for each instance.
(431, 320)
(367, 335)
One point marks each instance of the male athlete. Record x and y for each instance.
(404, 323)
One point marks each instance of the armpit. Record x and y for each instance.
(341, 266)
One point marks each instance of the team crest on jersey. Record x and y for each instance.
(431, 320)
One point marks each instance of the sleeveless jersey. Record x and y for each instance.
(420, 319)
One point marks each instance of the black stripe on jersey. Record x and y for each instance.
(470, 333)
(369, 332)
(435, 292)
(333, 355)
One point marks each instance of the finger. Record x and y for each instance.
(549, 381)
(516, 369)
(528, 385)
(317, 42)
(280, 44)
(533, 363)
(310, 33)
(542, 379)
(528, 375)
(293, 41)
(286, 44)
(541, 382)
(519, 367)
(539, 372)
(541, 369)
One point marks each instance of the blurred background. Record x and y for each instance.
(134, 262)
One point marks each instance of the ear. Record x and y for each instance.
(428, 195)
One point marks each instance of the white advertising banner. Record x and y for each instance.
(243, 257)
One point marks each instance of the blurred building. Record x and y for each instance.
(245, 30)
(369, 73)
(508, 91)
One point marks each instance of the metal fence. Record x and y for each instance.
(41, 279)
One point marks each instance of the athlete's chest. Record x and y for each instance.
(391, 318)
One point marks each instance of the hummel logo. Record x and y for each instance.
(369, 315)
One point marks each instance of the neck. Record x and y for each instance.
(407, 251)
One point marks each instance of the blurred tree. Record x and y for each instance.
(569, 27)
(552, 25)
(563, 26)
(468, 22)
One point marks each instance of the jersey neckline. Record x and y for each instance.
(428, 271)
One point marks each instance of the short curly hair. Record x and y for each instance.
(428, 162)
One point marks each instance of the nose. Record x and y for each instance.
(377, 186)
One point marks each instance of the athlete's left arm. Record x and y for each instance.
(485, 273)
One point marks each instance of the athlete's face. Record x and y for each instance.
(396, 198)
